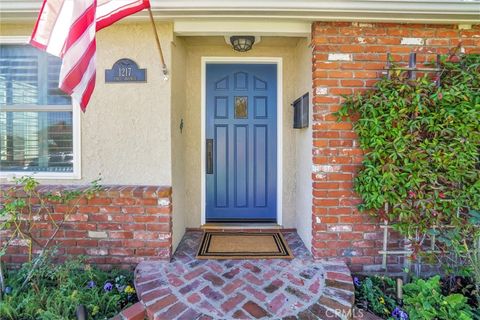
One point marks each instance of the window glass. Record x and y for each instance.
(33, 137)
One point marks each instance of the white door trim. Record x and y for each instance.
(253, 60)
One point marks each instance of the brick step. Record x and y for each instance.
(187, 288)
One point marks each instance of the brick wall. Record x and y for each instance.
(119, 226)
(348, 58)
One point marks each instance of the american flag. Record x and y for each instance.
(66, 29)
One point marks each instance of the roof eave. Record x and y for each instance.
(407, 11)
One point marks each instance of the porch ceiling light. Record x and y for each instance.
(242, 43)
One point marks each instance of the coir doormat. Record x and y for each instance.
(243, 245)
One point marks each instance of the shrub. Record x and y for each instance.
(55, 291)
(424, 301)
(421, 146)
(376, 294)
(421, 170)
(24, 208)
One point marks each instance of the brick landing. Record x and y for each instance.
(187, 288)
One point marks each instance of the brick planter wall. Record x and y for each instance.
(119, 226)
(347, 58)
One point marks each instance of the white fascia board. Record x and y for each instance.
(220, 27)
(423, 11)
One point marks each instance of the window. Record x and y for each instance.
(38, 128)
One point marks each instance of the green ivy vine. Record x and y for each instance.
(421, 143)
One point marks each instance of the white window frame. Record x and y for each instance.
(76, 128)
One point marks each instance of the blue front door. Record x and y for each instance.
(241, 146)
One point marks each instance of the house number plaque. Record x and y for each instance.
(125, 70)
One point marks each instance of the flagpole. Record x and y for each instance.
(164, 66)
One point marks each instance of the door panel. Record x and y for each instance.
(241, 102)
(220, 167)
(260, 190)
(241, 166)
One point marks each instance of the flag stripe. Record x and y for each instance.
(80, 25)
(76, 52)
(40, 23)
(57, 38)
(88, 92)
(116, 13)
(74, 76)
(78, 91)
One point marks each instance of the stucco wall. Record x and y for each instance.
(126, 129)
(130, 132)
(178, 77)
(303, 145)
(210, 47)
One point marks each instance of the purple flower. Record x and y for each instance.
(399, 314)
(91, 284)
(357, 282)
(108, 287)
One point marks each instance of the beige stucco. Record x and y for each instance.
(131, 133)
(125, 132)
(303, 146)
(178, 102)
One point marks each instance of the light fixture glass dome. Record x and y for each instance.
(242, 43)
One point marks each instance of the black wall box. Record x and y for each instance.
(300, 112)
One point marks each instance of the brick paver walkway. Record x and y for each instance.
(301, 288)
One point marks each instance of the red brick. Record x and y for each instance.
(76, 217)
(352, 83)
(329, 220)
(325, 134)
(232, 302)
(83, 226)
(110, 209)
(350, 236)
(323, 99)
(158, 227)
(133, 243)
(325, 82)
(145, 235)
(339, 74)
(133, 210)
(111, 226)
(76, 251)
(135, 312)
(335, 143)
(173, 312)
(161, 304)
(155, 244)
(110, 243)
(121, 252)
(98, 217)
(255, 310)
(124, 201)
(155, 210)
(87, 243)
(326, 236)
(87, 209)
(120, 235)
(99, 201)
(148, 202)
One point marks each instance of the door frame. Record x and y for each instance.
(247, 60)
